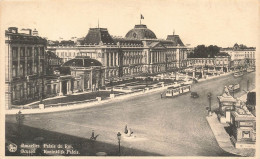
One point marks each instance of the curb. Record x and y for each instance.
(82, 105)
(223, 138)
(66, 107)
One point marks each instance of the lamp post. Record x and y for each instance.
(74, 64)
(209, 98)
(111, 84)
(119, 138)
(247, 84)
(233, 91)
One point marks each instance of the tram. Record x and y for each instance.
(175, 91)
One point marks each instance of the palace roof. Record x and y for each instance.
(140, 32)
(97, 36)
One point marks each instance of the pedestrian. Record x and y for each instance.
(126, 130)
(161, 95)
(92, 135)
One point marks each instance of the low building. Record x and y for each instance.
(243, 125)
(222, 61)
(218, 64)
(88, 74)
(241, 56)
(76, 75)
(226, 106)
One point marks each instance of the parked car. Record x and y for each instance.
(194, 95)
(234, 87)
(238, 74)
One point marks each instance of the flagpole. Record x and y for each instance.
(140, 19)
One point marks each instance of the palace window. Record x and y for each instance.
(14, 92)
(29, 52)
(29, 68)
(35, 67)
(14, 53)
(42, 51)
(41, 67)
(21, 91)
(22, 69)
(36, 53)
(22, 52)
(54, 89)
(14, 69)
(246, 134)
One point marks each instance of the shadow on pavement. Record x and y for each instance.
(84, 146)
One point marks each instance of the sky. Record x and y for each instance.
(208, 22)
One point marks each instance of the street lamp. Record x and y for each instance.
(247, 84)
(209, 98)
(119, 138)
(111, 84)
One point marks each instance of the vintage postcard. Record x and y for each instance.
(129, 78)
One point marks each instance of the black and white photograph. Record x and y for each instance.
(129, 78)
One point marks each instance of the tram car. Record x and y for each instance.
(175, 91)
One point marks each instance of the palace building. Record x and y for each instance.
(34, 72)
(24, 66)
(139, 52)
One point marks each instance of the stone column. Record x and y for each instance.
(109, 59)
(156, 57)
(18, 63)
(90, 79)
(83, 82)
(60, 93)
(105, 59)
(151, 57)
(148, 57)
(25, 61)
(89, 86)
(159, 57)
(70, 87)
(115, 59)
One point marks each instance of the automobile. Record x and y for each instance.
(194, 95)
(234, 87)
(250, 70)
(238, 74)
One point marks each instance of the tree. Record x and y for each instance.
(202, 51)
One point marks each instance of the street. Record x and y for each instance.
(168, 126)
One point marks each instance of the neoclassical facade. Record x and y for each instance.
(241, 56)
(138, 53)
(24, 66)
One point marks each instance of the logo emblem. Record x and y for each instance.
(12, 147)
